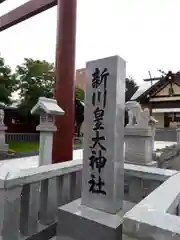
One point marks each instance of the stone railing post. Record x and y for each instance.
(10, 200)
(178, 133)
(29, 208)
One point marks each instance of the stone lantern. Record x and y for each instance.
(47, 109)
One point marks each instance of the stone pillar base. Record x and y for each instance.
(78, 222)
(138, 145)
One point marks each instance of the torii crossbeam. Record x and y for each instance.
(25, 11)
(65, 65)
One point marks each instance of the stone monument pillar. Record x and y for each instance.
(95, 216)
(3, 128)
(139, 136)
(47, 109)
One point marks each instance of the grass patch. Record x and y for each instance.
(15, 146)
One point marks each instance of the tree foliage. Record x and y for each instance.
(79, 94)
(7, 82)
(35, 79)
(131, 88)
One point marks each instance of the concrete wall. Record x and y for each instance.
(160, 118)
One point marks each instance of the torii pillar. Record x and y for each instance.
(65, 76)
(65, 65)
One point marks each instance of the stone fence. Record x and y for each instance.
(140, 181)
(22, 137)
(32, 137)
(157, 216)
(29, 199)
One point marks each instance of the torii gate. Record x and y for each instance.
(65, 65)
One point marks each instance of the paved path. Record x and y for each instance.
(26, 163)
(32, 162)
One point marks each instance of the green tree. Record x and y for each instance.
(79, 94)
(35, 79)
(131, 88)
(7, 82)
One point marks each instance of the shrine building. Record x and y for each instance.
(162, 97)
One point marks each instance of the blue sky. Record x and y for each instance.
(143, 32)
